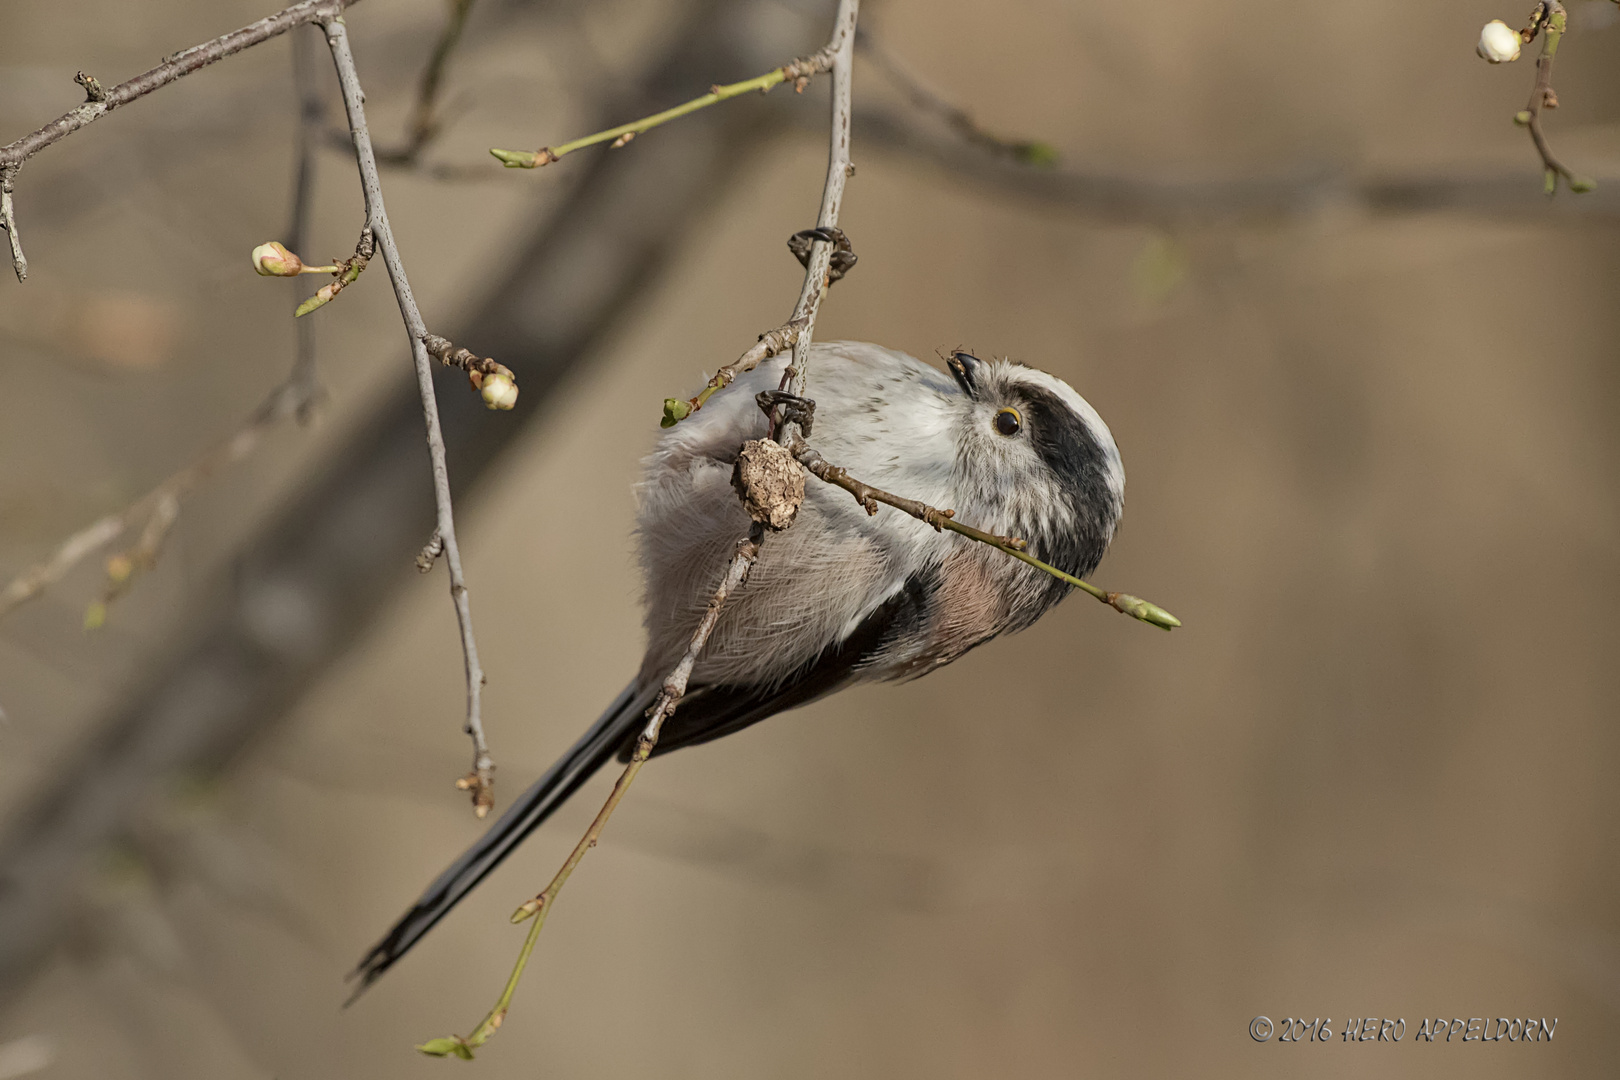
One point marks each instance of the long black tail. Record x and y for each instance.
(593, 750)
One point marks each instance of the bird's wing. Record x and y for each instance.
(711, 711)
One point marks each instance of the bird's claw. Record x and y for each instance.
(843, 255)
(793, 408)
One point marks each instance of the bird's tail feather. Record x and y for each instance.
(594, 749)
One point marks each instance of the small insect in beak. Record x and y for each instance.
(965, 367)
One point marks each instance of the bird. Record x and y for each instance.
(841, 597)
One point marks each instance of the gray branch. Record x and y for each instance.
(102, 102)
(481, 780)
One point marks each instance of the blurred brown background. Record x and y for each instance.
(1372, 459)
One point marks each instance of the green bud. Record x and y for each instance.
(322, 297)
(1582, 184)
(1522, 118)
(1549, 182)
(675, 410)
(520, 159)
(1145, 610)
(454, 1044)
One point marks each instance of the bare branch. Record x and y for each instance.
(840, 51)
(311, 122)
(959, 120)
(36, 579)
(869, 497)
(8, 220)
(123, 568)
(839, 170)
(1289, 194)
(770, 343)
(425, 123)
(1549, 19)
(164, 500)
(480, 781)
(102, 102)
(538, 908)
(161, 505)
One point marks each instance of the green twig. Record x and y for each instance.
(869, 496)
(770, 344)
(538, 909)
(799, 72)
(1134, 606)
(669, 697)
(346, 274)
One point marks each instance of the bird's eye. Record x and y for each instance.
(1008, 421)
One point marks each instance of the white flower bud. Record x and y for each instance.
(273, 260)
(499, 391)
(1498, 42)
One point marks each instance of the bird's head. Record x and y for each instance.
(1037, 455)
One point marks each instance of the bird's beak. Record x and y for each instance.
(965, 367)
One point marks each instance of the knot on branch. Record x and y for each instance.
(430, 553)
(480, 784)
(799, 72)
(494, 381)
(770, 482)
(92, 88)
(345, 273)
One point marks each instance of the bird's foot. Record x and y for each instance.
(843, 255)
(788, 407)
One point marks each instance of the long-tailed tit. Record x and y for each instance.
(840, 597)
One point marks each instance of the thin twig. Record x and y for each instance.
(770, 343)
(282, 402)
(181, 64)
(491, 378)
(123, 568)
(869, 496)
(343, 274)
(311, 122)
(669, 697)
(8, 219)
(1550, 20)
(839, 170)
(480, 781)
(425, 124)
(161, 505)
(925, 99)
(840, 49)
(798, 72)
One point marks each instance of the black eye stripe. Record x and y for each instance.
(1080, 464)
